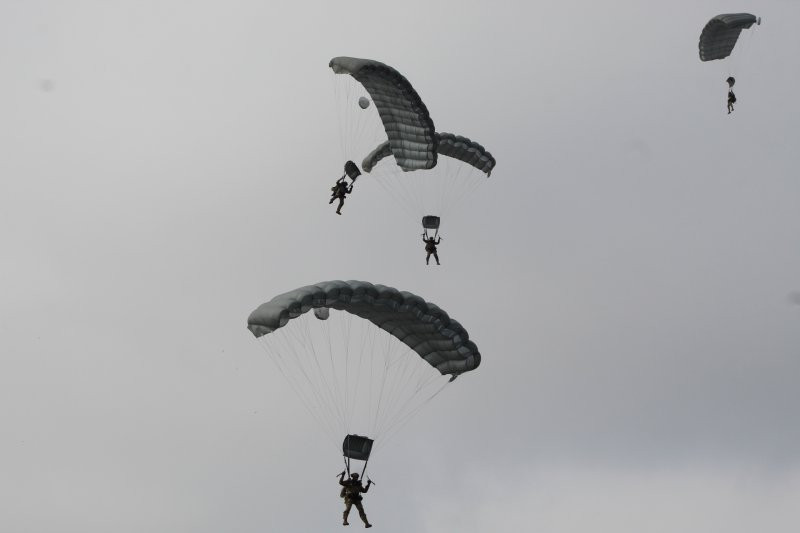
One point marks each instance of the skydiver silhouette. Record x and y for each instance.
(339, 190)
(731, 101)
(351, 492)
(430, 247)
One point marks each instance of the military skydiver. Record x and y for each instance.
(430, 247)
(351, 492)
(339, 190)
(731, 100)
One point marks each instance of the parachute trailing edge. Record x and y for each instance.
(422, 326)
(720, 34)
(449, 145)
(405, 118)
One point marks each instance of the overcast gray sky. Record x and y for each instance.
(626, 271)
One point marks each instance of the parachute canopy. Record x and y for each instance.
(405, 118)
(721, 33)
(450, 145)
(422, 326)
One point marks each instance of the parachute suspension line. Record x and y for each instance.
(404, 203)
(331, 400)
(313, 397)
(397, 186)
(274, 354)
(383, 379)
(327, 328)
(348, 325)
(476, 180)
(340, 118)
(401, 423)
(466, 182)
(360, 349)
(399, 383)
(330, 407)
(302, 338)
(370, 425)
(421, 375)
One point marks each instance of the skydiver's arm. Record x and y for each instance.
(367, 487)
(438, 240)
(341, 479)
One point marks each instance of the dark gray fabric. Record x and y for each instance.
(466, 150)
(405, 118)
(357, 447)
(450, 145)
(721, 33)
(421, 325)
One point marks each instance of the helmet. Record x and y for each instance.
(354, 475)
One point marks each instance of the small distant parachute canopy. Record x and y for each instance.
(357, 447)
(351, 169)
(405, 118)
(731, 81)
(363, 102)
(719, 36)
(455, 146)
(322, 313)
(430, 222)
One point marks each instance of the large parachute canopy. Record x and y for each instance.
(432, 193)
(400, 126)
(405, 118)
(455, 146)
(719, 36)
(366, 359)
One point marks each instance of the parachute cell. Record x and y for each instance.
(405, 118)
(719, 36)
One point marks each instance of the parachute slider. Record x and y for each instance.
(322, 313)
(357, 447)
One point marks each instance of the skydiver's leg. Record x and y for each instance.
(436, 256)
(341, 203)
(427, 259)
(362, 514)
(347, 505)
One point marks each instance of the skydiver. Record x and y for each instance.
(339, 190)
(731, 100)
(430, 247)
(351, 492)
